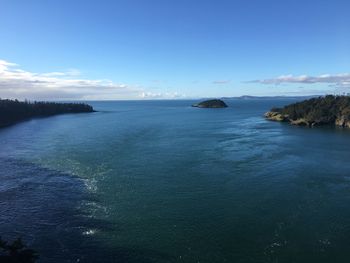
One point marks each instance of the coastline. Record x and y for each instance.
(14, 111)
(328, 110)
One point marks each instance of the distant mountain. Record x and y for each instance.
(270, 97)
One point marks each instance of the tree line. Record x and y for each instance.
(318, 110)
(16, 252)
(12, 111)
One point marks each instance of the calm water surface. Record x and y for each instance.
(159, 181)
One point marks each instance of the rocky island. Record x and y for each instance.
(327, 110)
(211, 104)
(13, 111)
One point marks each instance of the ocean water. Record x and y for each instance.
(160, 181)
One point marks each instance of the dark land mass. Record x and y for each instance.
(211, 104)
(13, 111)
(327, 110)
(247, 97)
(16, 252)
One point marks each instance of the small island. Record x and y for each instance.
(327, 110)
(13, 111)
(211, 104)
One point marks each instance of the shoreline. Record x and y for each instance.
(13, 111)
(322, 111)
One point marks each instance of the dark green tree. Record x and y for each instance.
(16, 252)
(12, 111)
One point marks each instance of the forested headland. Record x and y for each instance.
(327, 110)
(13, 111)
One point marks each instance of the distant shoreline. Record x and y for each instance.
(272, 97)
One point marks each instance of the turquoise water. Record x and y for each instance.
(159, 181)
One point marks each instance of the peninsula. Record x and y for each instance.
(211, 104)
(327, 110)
(13, 111)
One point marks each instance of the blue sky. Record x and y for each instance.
(131, 49)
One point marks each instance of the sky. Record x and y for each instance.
(163, 49)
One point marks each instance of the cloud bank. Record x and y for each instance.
(21, 84)
(162, 95)
(337, 81)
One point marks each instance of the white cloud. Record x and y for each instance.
(4, 65)
(69, 73)
(221, 81)
(161, 95)
(22, 84)
(337, 81)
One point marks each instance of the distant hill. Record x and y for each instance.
(327, 110)
(13, 111)
(271, 97)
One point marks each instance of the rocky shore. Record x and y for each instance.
(328, 110)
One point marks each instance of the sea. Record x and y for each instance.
(161, 181)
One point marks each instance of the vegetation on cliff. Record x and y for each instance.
(16, 252)
(13, 111)
(211, 104)
(334, 110)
